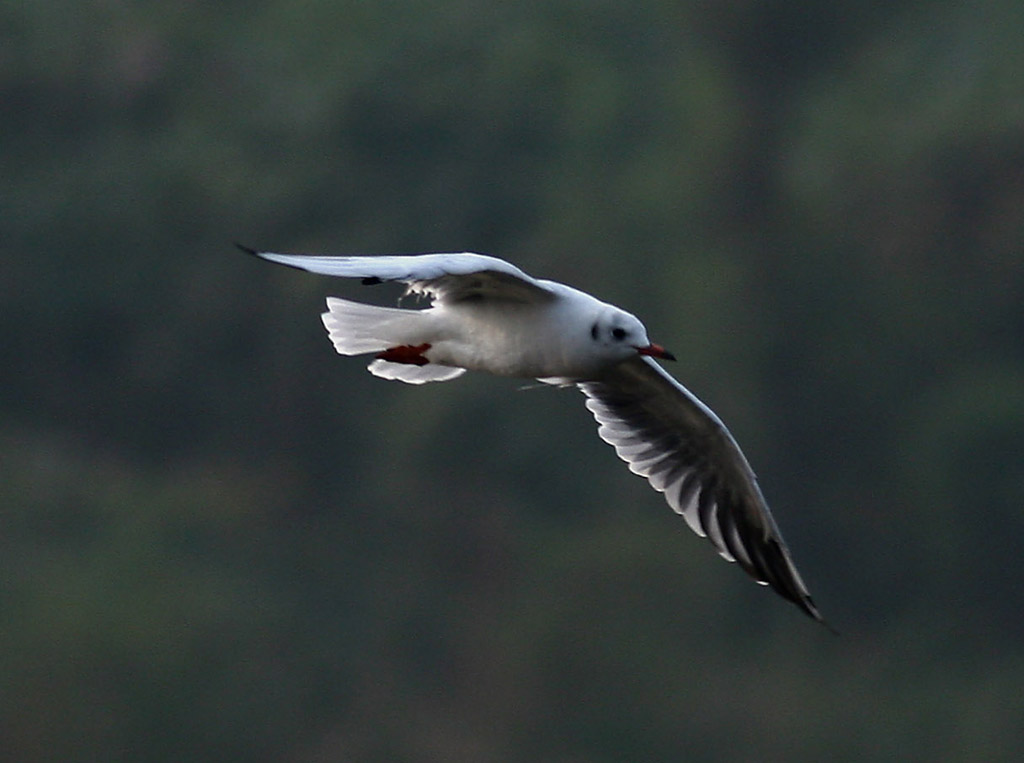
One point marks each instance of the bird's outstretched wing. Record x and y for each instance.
(447, 278)
(671, 438)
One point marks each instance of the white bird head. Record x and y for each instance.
(621, 335)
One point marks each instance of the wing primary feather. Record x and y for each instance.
(729, 529)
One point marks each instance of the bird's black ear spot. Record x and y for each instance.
(371, 281)
(593, 332)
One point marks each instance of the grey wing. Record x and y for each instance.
(446, 277)
(671, 438)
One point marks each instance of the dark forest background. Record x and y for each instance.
(221, 541)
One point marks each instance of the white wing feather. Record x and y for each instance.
(446, 277)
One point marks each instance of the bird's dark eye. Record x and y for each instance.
(619, 333)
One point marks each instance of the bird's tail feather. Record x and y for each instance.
(355, 328)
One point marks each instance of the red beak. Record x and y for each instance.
(656, 351)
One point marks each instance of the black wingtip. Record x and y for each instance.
(247, 249)
(808, 606)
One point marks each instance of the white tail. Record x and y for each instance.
(355, 329)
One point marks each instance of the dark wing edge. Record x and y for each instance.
(682, 448)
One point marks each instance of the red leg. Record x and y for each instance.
(405, 353)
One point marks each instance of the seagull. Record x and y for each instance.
(486, 314)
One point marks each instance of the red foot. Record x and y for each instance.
(405, 353)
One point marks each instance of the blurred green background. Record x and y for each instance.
(219, 540)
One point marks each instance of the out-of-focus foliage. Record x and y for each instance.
(221, 541)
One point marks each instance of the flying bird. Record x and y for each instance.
(488, 315)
